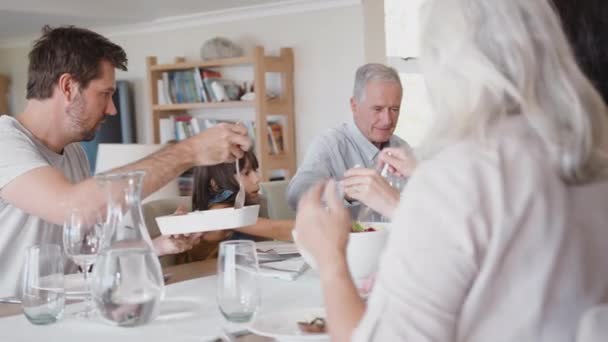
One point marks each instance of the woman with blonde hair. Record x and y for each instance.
(501, 234)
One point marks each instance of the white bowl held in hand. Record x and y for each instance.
(362, 252)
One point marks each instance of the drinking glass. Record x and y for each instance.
(43, 294)
(81, 241)
(396, 182)
(238, 293)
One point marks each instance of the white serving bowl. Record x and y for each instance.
(362, 252)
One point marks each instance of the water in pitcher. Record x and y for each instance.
(130, 295)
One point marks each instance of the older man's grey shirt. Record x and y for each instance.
(331, 154)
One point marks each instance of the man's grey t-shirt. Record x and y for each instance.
(331, 154)
(21, 153)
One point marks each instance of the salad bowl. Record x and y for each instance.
(362, 252)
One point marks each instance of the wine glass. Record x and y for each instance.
(238, 293)
(81, 242)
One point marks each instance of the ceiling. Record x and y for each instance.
(22, 19)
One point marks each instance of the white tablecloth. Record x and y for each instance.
(188, 313)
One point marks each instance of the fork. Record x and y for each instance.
(239, 201)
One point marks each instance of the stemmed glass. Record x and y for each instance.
(81, 242)
(238, 293)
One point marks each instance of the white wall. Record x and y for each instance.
(13, 63)
(374, 31)
(328, 47)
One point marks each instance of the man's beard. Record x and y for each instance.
(75, 111)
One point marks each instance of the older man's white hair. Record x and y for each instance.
(372, 72)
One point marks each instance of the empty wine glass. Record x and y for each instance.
(238, 293)
(81, 242)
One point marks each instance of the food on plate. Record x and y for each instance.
(359, 228)
(315, 326)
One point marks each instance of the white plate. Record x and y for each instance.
(75, 286)
(208, 220)
(283, 325)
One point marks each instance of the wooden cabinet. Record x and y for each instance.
(3, 94)
(281, 106)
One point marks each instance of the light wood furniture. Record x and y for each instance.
(283, 105)
(3, 94)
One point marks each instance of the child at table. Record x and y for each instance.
(215, 187)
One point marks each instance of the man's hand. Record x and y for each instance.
(401, 162)
(369, 188)
(219, 144)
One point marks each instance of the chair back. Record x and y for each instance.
(163, 207)
(276, 198)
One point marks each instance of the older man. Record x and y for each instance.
(375, 106)
(44, 171)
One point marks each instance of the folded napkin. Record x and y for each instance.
(289, 269)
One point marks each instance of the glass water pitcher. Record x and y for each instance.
(127, 281)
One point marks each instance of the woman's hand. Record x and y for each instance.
(369, 188)
(323, 231)
(401, 163)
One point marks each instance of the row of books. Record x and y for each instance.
(180, 127)
(196, 85)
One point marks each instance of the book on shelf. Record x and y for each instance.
(196, 86)
(275, 137)
(183, 127)
(179, 127)
(167, 130)
(198, 79)
(162, 90)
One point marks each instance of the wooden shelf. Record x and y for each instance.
(203, 105)
(277, 107)
(203, 64)
(262, 107)
(279, 161)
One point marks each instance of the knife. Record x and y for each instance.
(10, 300)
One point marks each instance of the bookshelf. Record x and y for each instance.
(3, 95)
(264, 108)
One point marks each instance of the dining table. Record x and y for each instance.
(188, 311)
